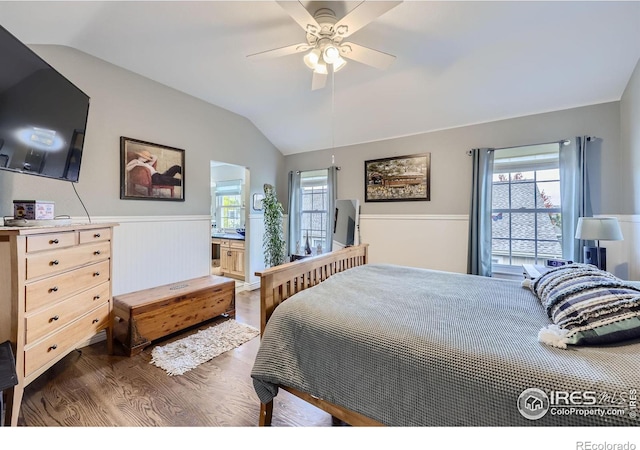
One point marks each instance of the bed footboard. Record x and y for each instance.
(280, 282)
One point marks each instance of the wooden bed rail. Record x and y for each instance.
(280, 282)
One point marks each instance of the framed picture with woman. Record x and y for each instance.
(150, 171)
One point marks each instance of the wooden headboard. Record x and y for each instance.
(280, 282)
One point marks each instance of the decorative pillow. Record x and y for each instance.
(587, 306)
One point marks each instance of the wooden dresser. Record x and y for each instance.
(55, 294)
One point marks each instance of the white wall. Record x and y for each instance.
(630, 145)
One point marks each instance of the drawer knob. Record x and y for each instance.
(53, 289)
(96, 297)
(55, 262)
(97, 235)
(54, 318)
(96, 320)
(53, 347)
(96, 274)
(97, 252)
(53, 241)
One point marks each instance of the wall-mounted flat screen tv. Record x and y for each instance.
(43, 115)
(346, 223)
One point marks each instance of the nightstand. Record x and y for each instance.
(296, 257)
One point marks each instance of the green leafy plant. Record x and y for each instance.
(273, 242)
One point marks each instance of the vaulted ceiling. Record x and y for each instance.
(457, 63)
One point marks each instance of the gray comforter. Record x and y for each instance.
(415, 347)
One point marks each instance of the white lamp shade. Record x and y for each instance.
(330, 54)
(311, 59)
(339, 64)
(321, 68)
(598, 229)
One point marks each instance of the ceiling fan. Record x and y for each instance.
(325, 38)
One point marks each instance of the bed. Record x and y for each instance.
(376, 344)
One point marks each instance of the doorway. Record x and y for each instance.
(230, 241)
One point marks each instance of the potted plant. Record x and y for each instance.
(273, 243)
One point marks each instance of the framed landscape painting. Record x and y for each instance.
(150, 171)
(398, 179)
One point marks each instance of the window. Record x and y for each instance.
(228, 213)
(526, 219)
(313, 220)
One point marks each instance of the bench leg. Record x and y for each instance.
(134, 341)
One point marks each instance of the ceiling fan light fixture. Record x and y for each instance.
(312, 58)
(321, 68)
(331, 54)
(339, 64)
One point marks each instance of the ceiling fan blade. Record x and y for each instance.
(368, 56)
(318, 81)
(363, 14)
(300, 14)
(278, 52)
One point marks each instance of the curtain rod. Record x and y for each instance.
(562, 141)
(311, 170)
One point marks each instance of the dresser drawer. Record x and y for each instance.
(50, 290)
(97, 235)
(62, 313)
(63, 341)
(45, 263)
(50, 241)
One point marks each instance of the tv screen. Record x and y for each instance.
(345, 223)
(43, 116)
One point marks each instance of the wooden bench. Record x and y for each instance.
(143, 316)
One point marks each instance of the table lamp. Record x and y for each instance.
(597, 229)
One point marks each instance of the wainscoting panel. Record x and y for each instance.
(152, 251)
(427, 241)
(255, 254)
(623, 257)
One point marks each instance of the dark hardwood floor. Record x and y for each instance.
(90, 388)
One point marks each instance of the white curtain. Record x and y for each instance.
(295, 206)
(574, 193)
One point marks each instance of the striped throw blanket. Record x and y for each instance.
(587, 306)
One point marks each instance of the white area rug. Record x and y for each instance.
(181, 356)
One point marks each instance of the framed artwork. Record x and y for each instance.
(257, 201)
(151, 171)
(398, 179)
